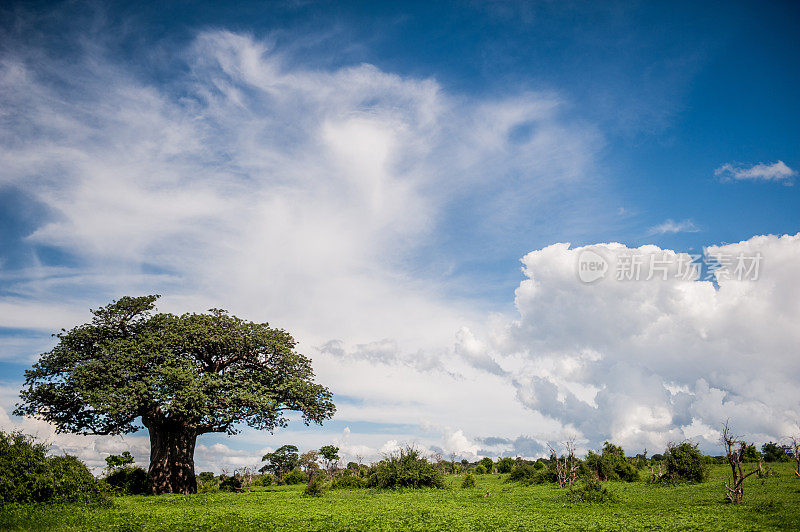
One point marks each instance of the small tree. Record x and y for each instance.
(117, 461)
(774, 452)
(330, 453)
(487, 463)
(685, 462)
(734, 454)
(505, 465)
(283, 460)
(308, 461)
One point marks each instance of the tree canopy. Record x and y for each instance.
(282, 460)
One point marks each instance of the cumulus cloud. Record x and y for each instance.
(777, 171)
(664, 357)
(671, 227)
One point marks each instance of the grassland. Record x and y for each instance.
(772, 503)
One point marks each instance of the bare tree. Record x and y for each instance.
(796, 454)
(453, 462)
(734, 452)
(566, 466)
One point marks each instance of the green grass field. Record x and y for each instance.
(772, 503)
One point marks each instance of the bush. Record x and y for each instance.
(527, 474)
(468, 482)
(505, 465)
(206, 485)
(129, 480)
(611, 464)
(406, 469)
(480, 470)
(295, 477)
(314, 487)
(27, 474)
(263, 480)
(487, 464)
(233, 483)
(685, 462)
(206, 476)
(590, 491)
(348, 482)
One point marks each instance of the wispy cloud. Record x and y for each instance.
(671, 226)
(778, 171)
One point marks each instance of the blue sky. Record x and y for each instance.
(370, 175)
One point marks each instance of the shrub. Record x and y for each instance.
(314, 487)
(348, 482)
(27, 474)
(206, 485)
(264, 480)
(233, 483)
(590, 490)
(505, 465)
(527, 474)
(295, 477)
(684, 462)
(206, 476)
(406, 469)
(774, 452)
(128, 480)
(487, 464)
(468, 482)
(611, 464)
(480, 470)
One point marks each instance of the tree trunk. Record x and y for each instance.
(172, 458)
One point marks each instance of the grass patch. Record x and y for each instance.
(768, 505)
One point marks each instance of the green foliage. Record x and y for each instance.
(590, 490)
(774, 452)
(205, 476)
(528, 474)
(349, 482)
(263, 480)
(314, 487)
(750, 453)
(211, 371)
(468, 482)
(684, 462)
(611, 464)
(282, 460)
(207, 485)
(27, 474)
(487, 463)
(406, 469)
(232, 483)
(640, 506)
(115, 461)
(296, 477)
(127, 480)
(505, 465)
(480, 470)
(329, 453)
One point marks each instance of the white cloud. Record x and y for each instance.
(282, 193)
(671, 226)
(637, 361)
(777, 171)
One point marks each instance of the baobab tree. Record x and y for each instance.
(180, 376)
